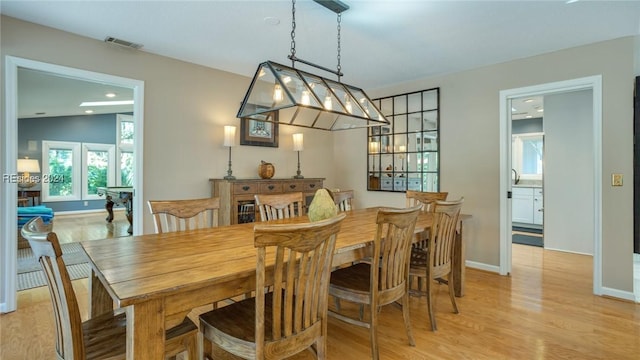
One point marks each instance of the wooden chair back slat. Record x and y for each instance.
(181, 215)
(442, 236)
(280, 206)
(343, 199)
(426, 199)
(303, 255)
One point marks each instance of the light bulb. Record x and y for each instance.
(277, 93)
(328, 103)
(348, 106)
(306, 100)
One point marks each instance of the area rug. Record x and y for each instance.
(30, 274)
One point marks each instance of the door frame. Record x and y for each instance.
(593, 83)
(8, 190)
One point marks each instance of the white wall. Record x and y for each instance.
(568, 172)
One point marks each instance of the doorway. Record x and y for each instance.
(8, 225)
(593, 83)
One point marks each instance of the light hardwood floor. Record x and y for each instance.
(544, 310)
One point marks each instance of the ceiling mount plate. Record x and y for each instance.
(336, 6)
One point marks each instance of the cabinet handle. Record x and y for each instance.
(270, 187)
(292, 186)
(312, 185)
(245, 188)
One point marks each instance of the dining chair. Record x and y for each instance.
(179, 215)
(343, 199)
(280, 206)
(292, 317)
(435, 261)
(383, 280)
(103, 336)
(426, 199)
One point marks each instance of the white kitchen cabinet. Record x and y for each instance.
(538, 206)
(522, 205)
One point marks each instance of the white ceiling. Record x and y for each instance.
(383, 42)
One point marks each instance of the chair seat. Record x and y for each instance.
(353, 278)
(238, 319)
(105, 336)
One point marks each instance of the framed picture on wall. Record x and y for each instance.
(260, 133)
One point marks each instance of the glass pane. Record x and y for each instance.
(386, 106)
(400, 124)
(532, 151)
(126, 132)
(430, 182)
(412, 161)
(430, 100)
(400, 105)
(61, 168)
(414, 122)
(97, 169)
(415, 102)
(126, 169)
(428, 161)
(430, 120)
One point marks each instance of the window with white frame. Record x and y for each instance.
(124, 151)
(61, 161)
(77, 168)
(98, 168)
(528, 155)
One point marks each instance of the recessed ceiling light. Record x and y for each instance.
(540, 110)
(528, 100)
(89, 111)
(107, 103)
(270, 20)
(110, 95)
(528, 116)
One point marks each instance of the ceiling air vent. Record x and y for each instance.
(125, 43)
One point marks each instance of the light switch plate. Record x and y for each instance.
(616, 179)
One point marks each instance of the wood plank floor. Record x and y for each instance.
(544, 310)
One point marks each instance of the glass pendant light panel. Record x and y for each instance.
(297, 87)
(322, 92)
(349, 103)
(266, 94)
(366, 104)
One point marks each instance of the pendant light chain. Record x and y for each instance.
(293, 32)
(339, 66)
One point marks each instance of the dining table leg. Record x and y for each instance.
(145, 330)
(459, 263)
(100, 301)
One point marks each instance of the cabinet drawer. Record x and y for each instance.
(293, 186)
(386, 183)
(270, 187)
(245, 188)
(311, 186)
(522, 191)
(537, 192)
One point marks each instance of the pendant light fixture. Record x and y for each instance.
(304, 99)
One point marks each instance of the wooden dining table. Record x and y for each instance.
(160, 278)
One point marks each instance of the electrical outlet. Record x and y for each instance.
(616, 179)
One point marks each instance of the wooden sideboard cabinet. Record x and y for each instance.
(237, 202)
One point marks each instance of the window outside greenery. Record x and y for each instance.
(61, 167)
(97, 170)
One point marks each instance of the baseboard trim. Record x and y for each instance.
(86, 212)
(482, 266)
(619, 294)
